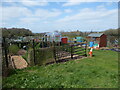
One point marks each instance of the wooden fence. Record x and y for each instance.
(59, 52)
(66, 52)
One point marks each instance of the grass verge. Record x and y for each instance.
(100, 71)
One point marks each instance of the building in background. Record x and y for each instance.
(98, 38)
(64, 40)
(53, 36)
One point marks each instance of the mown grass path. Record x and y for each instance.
(100, 71)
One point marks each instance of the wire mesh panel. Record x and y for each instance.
(68, 51)
(80, 49)
(63, 52)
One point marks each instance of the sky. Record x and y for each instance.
(49, 16)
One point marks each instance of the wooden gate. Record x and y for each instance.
(67, 52)
(80, 50)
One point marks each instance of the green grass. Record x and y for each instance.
(100, 71)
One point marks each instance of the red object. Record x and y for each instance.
(90, 52)
(102, 40)
(64, 40)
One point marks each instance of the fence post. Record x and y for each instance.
(72, 51)
(42, 42)
(54, 51)
(85, 49)
(34, 51)
(46, 43)
(6, 53)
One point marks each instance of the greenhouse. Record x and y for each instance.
(53, 36)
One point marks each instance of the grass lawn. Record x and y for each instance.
(100, 71)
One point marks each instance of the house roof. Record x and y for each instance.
(95, 34)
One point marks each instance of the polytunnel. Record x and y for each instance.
(53, 36)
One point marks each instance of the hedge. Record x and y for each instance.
(42, 56)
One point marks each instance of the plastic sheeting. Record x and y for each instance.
(53, 36)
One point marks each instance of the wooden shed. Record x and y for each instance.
(98, 38)
(64, 40)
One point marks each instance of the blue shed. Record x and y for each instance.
(79, 39)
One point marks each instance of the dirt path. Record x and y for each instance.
(18, 62)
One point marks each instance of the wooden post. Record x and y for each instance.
(5, 50)
(42, 42)
(46, 43)
(72, 51)
(86, 49)
(34, 51)
(54, 51)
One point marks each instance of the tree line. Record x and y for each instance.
(16, 32)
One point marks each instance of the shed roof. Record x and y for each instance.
(95, 34)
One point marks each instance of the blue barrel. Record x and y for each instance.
(91, 44)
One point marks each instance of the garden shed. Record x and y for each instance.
(98, 38)
(64, 40)
(79, 39)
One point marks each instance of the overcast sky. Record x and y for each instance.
(62, 16)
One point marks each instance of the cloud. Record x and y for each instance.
(40, 15)
(109, 3)
(47, 13)
(87, 19)
(89, 14)
(46, 22)
(29, 2)
(14, 12)
(78, 2)
(18, 12)
(49, 19)
(46, 2)
(34, 3)
(16, 16)
(67, 10)
(29, 20)
(71, 3)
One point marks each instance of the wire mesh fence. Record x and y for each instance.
(42, 53)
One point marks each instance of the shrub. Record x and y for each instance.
(13, 49)
(25, 56)
(42, 56)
